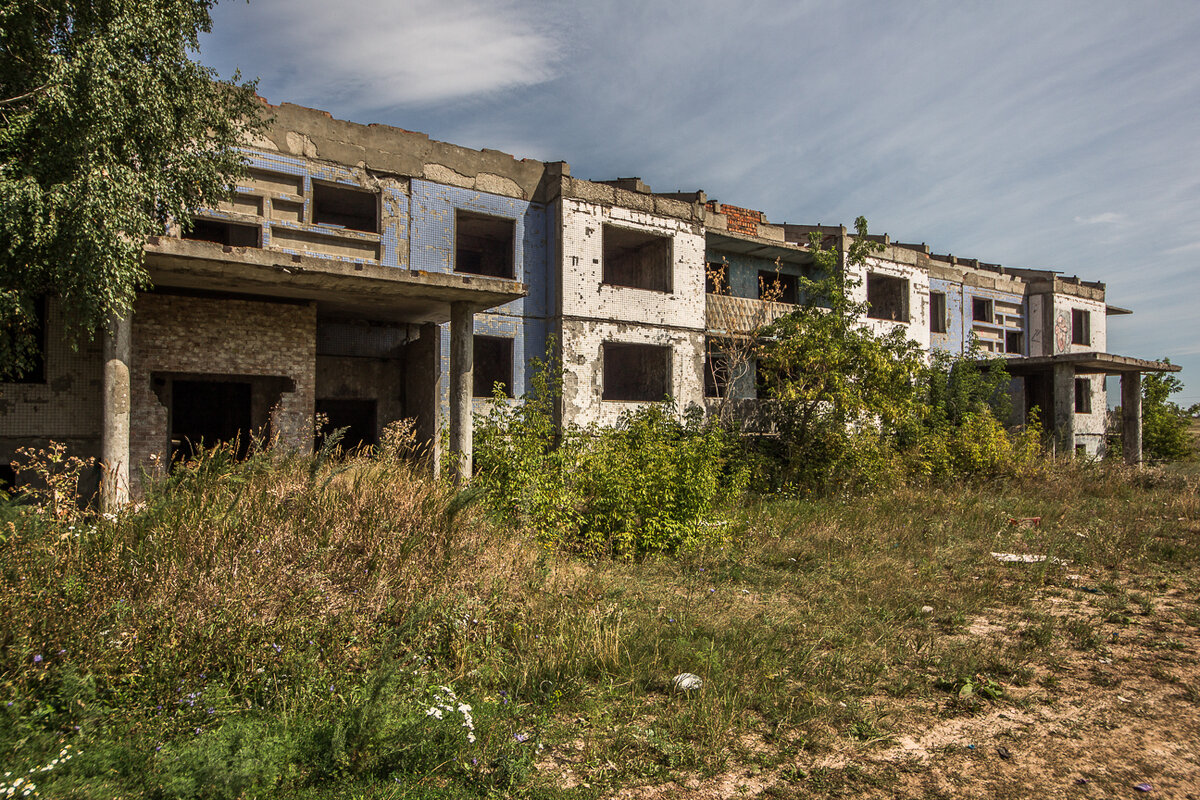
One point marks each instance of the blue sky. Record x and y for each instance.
(1055, 135)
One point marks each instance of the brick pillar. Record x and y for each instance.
(115, 414)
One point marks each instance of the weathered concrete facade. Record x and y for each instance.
(367, 274)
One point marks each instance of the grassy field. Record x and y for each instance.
(304, 629)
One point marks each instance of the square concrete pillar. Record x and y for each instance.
(1131, 417)
(1064, 409)
(117, 345)
(462, 369)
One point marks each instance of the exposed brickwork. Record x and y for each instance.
(176, 335)
(740, 220)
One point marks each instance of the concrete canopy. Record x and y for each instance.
(1087, 363)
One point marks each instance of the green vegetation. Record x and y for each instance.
(1165, 434)
(109, 129)
(305, 627)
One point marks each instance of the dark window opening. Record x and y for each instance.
(8, 479)
(777, 287)
(937, 312)
(716, 374)
(1014, 342)
(1081, 450)
(356, 416)
(493, 365)
(637, 260)
(205, 413)
(982, 310)
(229, 234)
(1081, 327)
(716, 279)
(35, 372)
(352, 209)
(483, 245)
(636, 372)
(1083, 396)
(887, 297)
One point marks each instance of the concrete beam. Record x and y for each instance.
(1131, 417)
(462, 357)
(117, 347)
(1064, 409)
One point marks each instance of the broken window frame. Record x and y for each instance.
(510, 226)
(503, 357)
(879, 310)
(614, 391)
(661, 280)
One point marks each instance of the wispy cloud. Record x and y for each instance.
(1183, 248)
(1106, 218)
(374, 55)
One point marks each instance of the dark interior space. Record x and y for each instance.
(636, 372)
(352, 209)
(493, 365)
(887, 297)
(1038, 395)
(716, 373)
(981, 310)
(937, 312)
(778, 287)
(637, 260)
(1081, 327)
(1014, 342)
(483, 245)
(8, 478)
(358, 417)
(229, 234)
(204, 413)
(36, 371)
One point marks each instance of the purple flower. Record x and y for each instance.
(158, 748)
(521, 737)
(197, 731)
(62, 652)
(37, 659)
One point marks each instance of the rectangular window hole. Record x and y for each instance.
(937, 312)
(636, 259)
(982, 310)
(343, 207)
(493, 365)
(636, 372)
(716, 373)
(1081, 326)
(1014, 342)
(887, 297)
(483, 245)
(357, 416)
(777, 287)
(230, 234)
(1083, 396)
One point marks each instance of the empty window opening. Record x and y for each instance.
(1014, 342)
(229, 234)
(35, 371)
(982, 310)
(716, 374)
(777, 287)
(637, 260)
(887, 297)
(483, 245)
(636, 372)
(716, 278)
(205, 413)
(357, 417)
(493, 366)
(937, 312)
(343, 207)
(1081, 326)
(8, 479)
(1083, 396)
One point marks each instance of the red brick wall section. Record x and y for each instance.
(741, 220)
(219, 337)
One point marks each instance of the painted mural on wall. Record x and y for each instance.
(1062, 331)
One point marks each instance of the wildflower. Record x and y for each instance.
(521, 738)
(37, 659)
(434, 712)
(62, 652)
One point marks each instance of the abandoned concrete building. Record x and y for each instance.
(369, 274)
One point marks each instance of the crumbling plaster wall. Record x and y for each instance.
(593, 313)
(196, 336)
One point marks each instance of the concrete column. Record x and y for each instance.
(117, 345)
(1064, 409)
(462, 357)
(1131, 417)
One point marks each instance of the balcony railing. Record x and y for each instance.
(741, 315)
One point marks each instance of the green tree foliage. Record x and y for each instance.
(108, 129)
(1164, 423)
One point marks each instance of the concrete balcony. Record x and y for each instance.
(731, 316)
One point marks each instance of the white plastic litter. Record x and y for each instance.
(686, 682)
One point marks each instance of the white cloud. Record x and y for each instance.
(1184, 248)
(374, 54)
(1106, 218)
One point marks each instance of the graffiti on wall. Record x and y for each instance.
(1062, 331)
